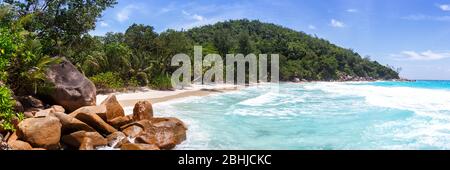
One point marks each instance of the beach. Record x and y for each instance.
(128, 99)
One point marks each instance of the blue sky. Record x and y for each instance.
(411, 34)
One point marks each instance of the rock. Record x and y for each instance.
(96, 122)
(98, 110)
(87, 144)
(70, 124)
(147, 138)
(169, 132)
(19, 145)
(144, 124)
(28, 114)
(113, 108)
(30, 102)
(18, 107)
(76, 139)
(38, 149)
(42, 132)
(295, 80)
(140, 146)
(13, 137)
(133, 131)
(142, 110)
(72, 89)
(120, 121)
(42, 113)
(117, 139)
(57, 109)
(166, 133)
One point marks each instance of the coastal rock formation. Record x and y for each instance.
(142, 110)
(71, 89)
(90, 127)
(43, 132)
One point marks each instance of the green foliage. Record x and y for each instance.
(161, 82)
(108, 80)
(7, 116)
(304, 56)
(60, 24)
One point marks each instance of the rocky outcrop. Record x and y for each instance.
(90, 127)
(71, 89)
(142, 110)
(43, 132)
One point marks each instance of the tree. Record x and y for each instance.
(245, 46)
(60, 24)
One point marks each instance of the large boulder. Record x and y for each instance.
(142, 110)
(98, 110)
(43, 132)
(79, 140)
(166, 133)
(19, 145)
(71, 124)
(96, 122)
(71, 89)
(121, 121)
(113, 108)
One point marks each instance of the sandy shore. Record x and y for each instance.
(128, 99)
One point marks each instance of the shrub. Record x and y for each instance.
(8, 118)
(161, 82)
(108, 80)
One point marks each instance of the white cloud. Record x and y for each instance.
(104, 24)
(445, 7)
(337, 24)
(193, 16)
(352, 10)
(426, 55)
(124, 14)
(311, 27)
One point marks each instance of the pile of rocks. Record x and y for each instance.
(90, 127)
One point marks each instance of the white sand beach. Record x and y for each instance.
(128, 99)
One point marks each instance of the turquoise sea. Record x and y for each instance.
(322, 115)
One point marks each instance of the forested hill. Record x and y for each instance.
(301, 55)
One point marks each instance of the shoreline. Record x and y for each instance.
(128, 99)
